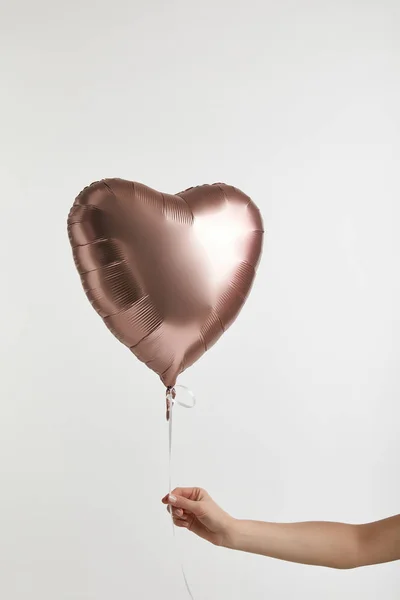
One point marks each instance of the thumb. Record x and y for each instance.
(193, 506)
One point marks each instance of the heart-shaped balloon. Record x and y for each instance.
(168, 274)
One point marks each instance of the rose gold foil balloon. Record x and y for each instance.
(168, 274)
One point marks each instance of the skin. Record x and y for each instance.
(334, 545)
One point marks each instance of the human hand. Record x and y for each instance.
(194, 509)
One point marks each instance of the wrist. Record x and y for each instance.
(231, 534)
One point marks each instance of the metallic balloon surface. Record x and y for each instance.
(167, 273)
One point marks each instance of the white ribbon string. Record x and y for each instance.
(172, 399)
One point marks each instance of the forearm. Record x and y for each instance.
(334, 545)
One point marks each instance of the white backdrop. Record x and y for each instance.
(295, 102)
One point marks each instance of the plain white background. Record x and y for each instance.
(297, 103)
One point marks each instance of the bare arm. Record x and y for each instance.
(335, 545)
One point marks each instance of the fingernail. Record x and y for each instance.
(172, 498)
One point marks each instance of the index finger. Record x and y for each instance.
(190, 493)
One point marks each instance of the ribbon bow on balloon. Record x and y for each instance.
(171, 399)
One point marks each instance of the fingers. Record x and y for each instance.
(190, 506)
(180, 523)
(177, 513)
(187, 499)
(179, 518)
